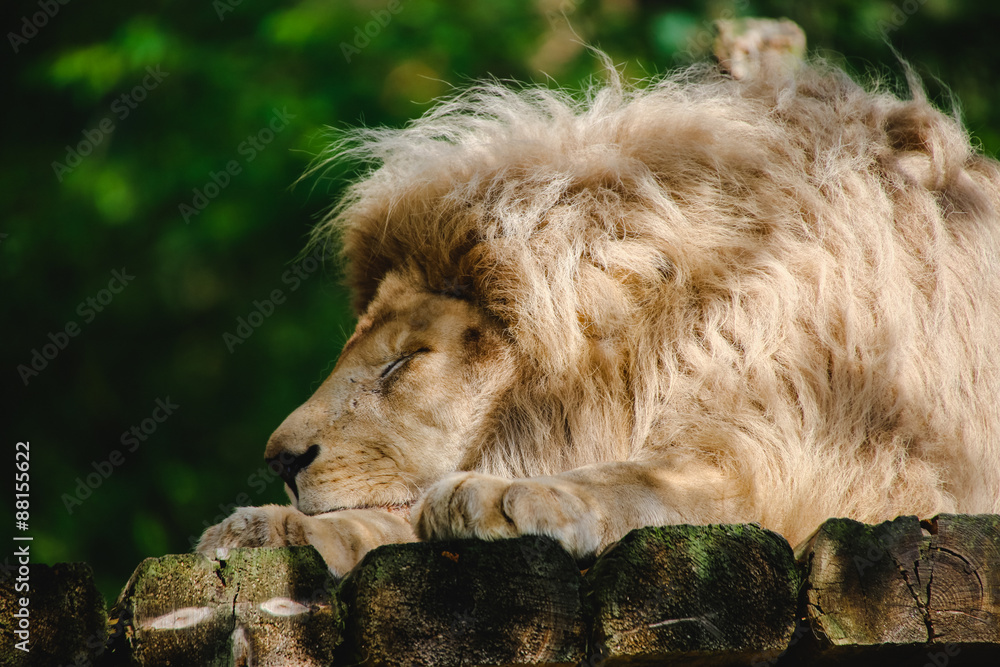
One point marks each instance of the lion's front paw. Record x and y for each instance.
(267, 526)
(487, 507)
(341, 537)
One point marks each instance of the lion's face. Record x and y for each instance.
(408, 400)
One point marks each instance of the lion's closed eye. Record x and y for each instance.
(400, 362)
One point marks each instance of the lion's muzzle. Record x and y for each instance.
(288, 465)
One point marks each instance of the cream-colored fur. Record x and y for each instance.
(696, 300)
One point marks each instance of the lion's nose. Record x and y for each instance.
(288, 465)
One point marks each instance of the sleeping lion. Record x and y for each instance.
(696, 300)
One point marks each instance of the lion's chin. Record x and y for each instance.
(401, 509)
(313, 504)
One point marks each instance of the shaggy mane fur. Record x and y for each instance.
(790, 279)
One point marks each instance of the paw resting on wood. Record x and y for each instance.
(267, 526)
(342, 537)
(488, 507)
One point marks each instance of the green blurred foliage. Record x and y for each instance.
(221, 72)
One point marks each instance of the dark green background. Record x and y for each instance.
(162, 336)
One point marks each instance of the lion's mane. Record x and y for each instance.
(790, 278)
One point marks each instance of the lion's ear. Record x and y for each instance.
(749, 47)
(925, 149)
(930, 150)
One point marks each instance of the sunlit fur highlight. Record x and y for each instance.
(790, 279)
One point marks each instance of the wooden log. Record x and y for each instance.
(903, 592)
(465, 602)
(65, 618)
(694, 595)
(247, 606)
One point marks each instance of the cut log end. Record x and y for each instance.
(903, 588)
(256, 606)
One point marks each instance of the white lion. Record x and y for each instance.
(698, 300)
